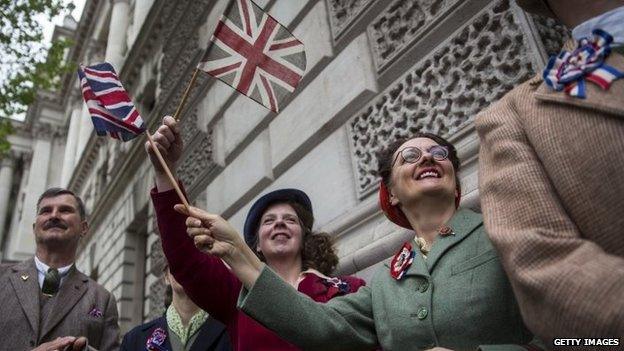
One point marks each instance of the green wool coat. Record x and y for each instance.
(458, 298)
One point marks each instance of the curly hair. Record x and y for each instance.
(319, 253)
(386, 156)
(318, 250)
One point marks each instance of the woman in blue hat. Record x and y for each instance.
(278, 230)
(446, 288)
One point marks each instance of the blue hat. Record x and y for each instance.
(257, 209)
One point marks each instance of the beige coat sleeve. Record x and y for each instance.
(565, 285)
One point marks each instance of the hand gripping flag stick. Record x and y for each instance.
(113, 112)
(167, 170)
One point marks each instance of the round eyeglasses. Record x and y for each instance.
(412, 154)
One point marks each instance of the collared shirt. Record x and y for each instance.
(422, 245)
(174, 323)
(303, 274)
(42, 269)
(610, 22)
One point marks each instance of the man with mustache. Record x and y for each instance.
(47, 304)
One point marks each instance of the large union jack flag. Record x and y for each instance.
(110, 107)
(256, 55)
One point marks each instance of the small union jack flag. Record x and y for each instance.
(256, 55)
(111, 109)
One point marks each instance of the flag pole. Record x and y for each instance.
(166, 168)
(176, 115)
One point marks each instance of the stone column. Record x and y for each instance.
(85, 130)
(141, 9)
(116, 44)
(69, 160)
(23, 244)
(6, 180)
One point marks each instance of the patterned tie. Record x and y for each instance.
(51, 282)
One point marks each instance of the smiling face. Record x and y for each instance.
(427, 177)
(58, 221)
(280, 232)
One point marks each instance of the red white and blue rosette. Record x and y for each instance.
(156, 340)
(569, 71)
(336, 286)
(402, 261)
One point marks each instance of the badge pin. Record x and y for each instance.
(445, 230)
(24, 277)
(402, 261)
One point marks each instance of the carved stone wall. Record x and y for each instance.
(197, 164)
(401, 24)
(445, 90)
(552, 33)
(344, 12)
(157, 299)
(180, 50)
(180, 55)
(156, 294)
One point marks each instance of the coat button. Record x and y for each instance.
(422, 313)
(423, 287)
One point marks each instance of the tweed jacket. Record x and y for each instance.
(552, 187)
(81, 308)
(458, 298)
(212, 336)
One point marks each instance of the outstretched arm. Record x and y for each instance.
(344, 323)
(215, 236)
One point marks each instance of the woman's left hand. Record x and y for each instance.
(214, 235)
(211, 233)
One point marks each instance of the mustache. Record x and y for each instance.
(54, 223)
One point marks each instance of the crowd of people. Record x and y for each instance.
(543, 262)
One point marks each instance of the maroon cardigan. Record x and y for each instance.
(210, 284)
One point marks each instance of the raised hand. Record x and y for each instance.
(168, 140)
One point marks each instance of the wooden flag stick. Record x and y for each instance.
(176, 115)
(166, 168)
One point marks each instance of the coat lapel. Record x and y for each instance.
(72, 289)
(463, 223)
(610, 101)
(419, 265)
(209, 333)
(25, 282)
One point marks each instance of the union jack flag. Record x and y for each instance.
(111, 109)
(256, 55)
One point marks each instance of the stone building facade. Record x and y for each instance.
(377, 70)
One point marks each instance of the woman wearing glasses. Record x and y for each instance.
(445, 289)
